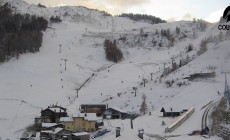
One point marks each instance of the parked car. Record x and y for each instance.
(100, 133)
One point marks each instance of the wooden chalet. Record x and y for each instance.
(116, 113)
(52, 114)
(93, 108)
(172, 113)
(39, 120)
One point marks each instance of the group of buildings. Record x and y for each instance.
(55, 123)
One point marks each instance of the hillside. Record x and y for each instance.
(37, 80)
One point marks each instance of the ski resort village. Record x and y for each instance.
(74, 73)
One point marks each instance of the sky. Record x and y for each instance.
(170, 10)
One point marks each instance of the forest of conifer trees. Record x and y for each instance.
(19, 33)
(147, 18)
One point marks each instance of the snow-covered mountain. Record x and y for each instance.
(38, 80)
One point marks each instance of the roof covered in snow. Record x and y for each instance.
(87, 116)
(66, 119)
(57, 109)
(118, 109)
(57, 130)
(81, 134)
(47, 125)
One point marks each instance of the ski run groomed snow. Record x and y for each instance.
(33, 82)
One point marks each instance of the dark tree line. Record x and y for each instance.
(105, 13)
(19, 33)
(148, 18)
(113, 53)
(56, 19)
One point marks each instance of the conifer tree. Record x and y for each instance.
(143, 107)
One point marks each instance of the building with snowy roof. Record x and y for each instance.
(51, 114)
(81, 136)
(116, 113)
(81, 122)
(93, 108)
(57, 133)
(201, 75)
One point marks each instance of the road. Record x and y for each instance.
(206, 112)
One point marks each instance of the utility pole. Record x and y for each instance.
(65, 63)
(60, 48)
(131, 121)
(226, 85)
(135, 89)
(144, 80)
(151, 76)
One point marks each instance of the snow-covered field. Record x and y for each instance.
(38, 80)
